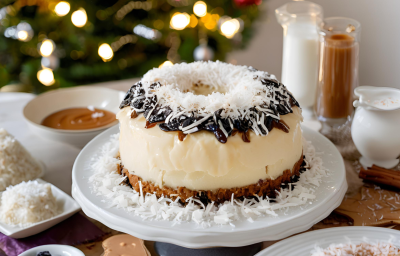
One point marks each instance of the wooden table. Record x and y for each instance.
(69, 153)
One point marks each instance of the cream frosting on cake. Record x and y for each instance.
(200, 162)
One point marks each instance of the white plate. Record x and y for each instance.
(54, 249)
(297, 219)
(67, 204)
(302, 245)
(47, 103)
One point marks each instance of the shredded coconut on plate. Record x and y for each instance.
(16, 163)
(361, 249)
(106, 182)
(27, 203)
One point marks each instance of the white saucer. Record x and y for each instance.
(54, 249)
(297, 219)
(302, 245)
(64, 201)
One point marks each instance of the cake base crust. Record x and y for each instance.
(267, 187)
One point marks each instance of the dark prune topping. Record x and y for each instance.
(268, 123)
(220, 136)
(144, 100)
(211, 127)
(187, 122)
(138, 104)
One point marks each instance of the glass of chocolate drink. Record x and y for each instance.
(338, 72)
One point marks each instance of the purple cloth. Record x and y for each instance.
(72, 231)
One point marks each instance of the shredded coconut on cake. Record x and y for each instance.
(27, 203)
(243, 98)
(362, 249)
(106, 182)
(16, 163)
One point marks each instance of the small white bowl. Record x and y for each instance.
(47, 103)
(68, 205)
(54, 249)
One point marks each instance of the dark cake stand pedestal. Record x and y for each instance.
(166, 249)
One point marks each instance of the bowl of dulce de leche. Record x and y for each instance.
(73, 115)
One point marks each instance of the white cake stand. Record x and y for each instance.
(297, 219)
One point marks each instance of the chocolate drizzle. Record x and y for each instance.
(134, 114)
(150, 125)
(181, 135)
(261, 118)
(246, 136)
(281, 125)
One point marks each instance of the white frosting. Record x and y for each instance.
(200, 162)
(107, 183)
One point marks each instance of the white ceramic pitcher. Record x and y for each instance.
(376, 125)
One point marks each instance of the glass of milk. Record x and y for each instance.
(300, 21)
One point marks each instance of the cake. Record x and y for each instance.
(209, 130)
(16, 163)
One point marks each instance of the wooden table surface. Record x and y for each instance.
(333, 220)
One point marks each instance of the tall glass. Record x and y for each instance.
(300, 21)
(338, 71)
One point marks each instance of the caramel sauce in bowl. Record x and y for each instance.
(79, 119)
(50, 115)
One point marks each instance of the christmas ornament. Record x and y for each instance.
(203, 52)
(244, 3)
(51, 62)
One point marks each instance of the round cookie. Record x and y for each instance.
(124, 245)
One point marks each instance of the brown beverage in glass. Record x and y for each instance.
(338, 71)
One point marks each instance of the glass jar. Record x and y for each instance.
(300, 21)
(338, 71)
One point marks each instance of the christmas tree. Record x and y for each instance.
(49, 44)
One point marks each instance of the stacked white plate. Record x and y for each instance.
(302, 245)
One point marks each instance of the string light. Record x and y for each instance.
(129, 7)
(62, 8)
(200, 8)
(47, 48)
(179, 20)
(230, 27)
(123, 40)
(79, 18)
(210, 21)
(106, 52)
(193, 21)
(46, 76)
(22, 35)
(146, 32)
(23, 32)
(166, 64)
